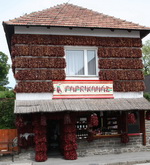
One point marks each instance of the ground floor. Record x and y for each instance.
(78, 134)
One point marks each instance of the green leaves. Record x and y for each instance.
(7, 117)
(4, 69)
(7, 94)
(147, 96)
(146, 57)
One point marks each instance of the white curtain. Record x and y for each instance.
(91, 58)
(75, 62)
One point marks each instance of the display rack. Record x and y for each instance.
(82, 128)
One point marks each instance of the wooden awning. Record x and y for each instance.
(59, 105)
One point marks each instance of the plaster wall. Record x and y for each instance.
(48, 96)
(76, 31)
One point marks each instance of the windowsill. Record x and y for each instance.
(82, 78)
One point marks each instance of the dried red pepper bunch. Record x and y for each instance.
(43, 120)
(41, 156)
(148, 115)
(32, 39)
(131, 118)
(121, 75)
(129, 86)
(70, 155)
(67, 119)
(19, 121)
(119, 52)
(93, 120)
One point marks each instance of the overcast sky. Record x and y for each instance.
(137, 11)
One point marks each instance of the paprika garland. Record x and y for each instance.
(37, 50)
(40, 137)
(105, 52)
(69, 138)
(75, 40)
(148, 115)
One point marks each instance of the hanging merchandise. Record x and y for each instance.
(68, 137)
(93, 121)
(70, 155)
(131, 118)
(148, 115)
(70, 147)
(40, 147)
(25, 131)
(69, 129)
(40, 137)
(41, 156)
(67, 119)
(19, 121)
(43, 120)
(124, 138)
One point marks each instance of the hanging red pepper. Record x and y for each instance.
(70, 155)
(67, 119)
(93, 120)
(43, 120)
(148, 115)
(19, 121)
(131, 118)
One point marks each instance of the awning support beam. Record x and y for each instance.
(142, 126)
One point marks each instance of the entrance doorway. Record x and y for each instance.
(53, 137)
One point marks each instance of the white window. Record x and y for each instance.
(81, 62)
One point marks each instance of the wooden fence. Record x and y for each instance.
(7, 135)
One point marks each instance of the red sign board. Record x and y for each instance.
(82, 89)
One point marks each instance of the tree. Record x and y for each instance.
(146, 57)
(4, 69)
(147, 96)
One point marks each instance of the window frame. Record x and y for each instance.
(84, 49)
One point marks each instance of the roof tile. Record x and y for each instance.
(74, 16)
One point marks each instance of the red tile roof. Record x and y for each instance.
(68, 15)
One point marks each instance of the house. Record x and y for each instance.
(79, 82)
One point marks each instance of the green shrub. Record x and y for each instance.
(7, 117)
(147, 96)
(7, 94)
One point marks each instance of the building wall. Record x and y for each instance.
(38, 59)
(109, 146)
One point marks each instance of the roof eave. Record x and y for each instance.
(9, 31)
(144, 33)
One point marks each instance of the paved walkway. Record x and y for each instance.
(133, 158)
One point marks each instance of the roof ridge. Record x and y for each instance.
(60, 10)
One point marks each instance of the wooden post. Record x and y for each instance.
(142, 126)
(124, 127)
